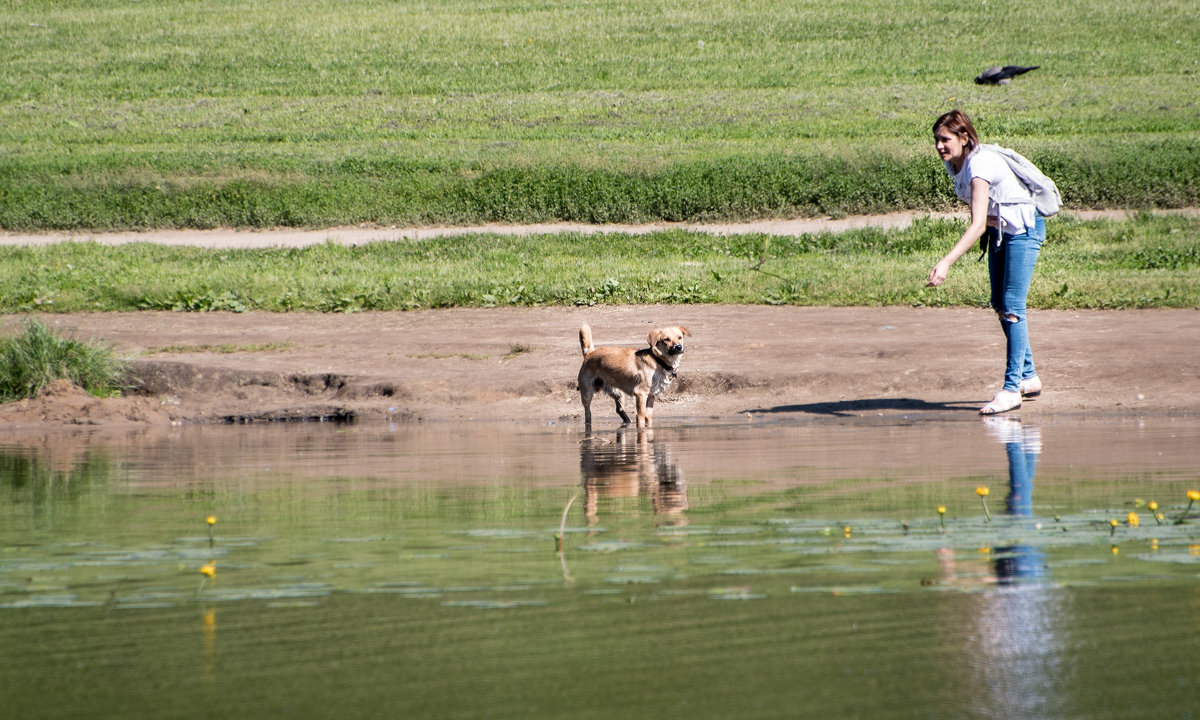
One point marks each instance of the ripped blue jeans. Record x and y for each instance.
(1010, 266)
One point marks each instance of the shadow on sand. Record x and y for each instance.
(849, 408)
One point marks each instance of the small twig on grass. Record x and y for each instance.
(762, 257)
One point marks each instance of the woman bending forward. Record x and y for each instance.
(1001, 207)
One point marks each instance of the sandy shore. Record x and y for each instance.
(520, 364)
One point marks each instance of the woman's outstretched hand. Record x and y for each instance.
(938, 274)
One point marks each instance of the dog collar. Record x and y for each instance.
(670, 370)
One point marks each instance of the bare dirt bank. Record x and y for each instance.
(520, 364)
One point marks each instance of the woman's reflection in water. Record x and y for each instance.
(1017, 630)
(1023, 444)
(632, 465)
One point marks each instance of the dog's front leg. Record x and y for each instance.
(645, 410)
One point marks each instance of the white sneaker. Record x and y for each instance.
(1004, 401)
(1030, 387)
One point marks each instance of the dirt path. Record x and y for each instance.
(520, 363)
(284, 237)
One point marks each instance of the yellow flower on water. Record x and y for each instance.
(1152, 505)
(1115, 549)
(846, 531)
(941, 509)
(1133, 519)
(1114, 522)
(1193, 495)
(211, 519)
(982, 491)
(209, 569)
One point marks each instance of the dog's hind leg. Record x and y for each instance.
(586, 391)
(616, 396)
(621, 411)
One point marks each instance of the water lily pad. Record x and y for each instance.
(737, 596)
(495, 604)
(843, 590)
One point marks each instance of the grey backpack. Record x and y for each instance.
(1045, 193)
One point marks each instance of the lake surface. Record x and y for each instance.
(743, 570)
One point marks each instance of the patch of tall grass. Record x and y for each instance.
(34, 360)
(160, 113)
(1147, 261)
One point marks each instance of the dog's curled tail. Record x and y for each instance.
(585, 339)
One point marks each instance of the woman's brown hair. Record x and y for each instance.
(957, 122)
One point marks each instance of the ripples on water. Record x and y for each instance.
(748, 570)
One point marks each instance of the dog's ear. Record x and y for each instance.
(654, 337)
(684, 330)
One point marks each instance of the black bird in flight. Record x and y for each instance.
(997, 75)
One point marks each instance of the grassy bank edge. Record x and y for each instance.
(32, 361)
(1149, 260)
(39, 195)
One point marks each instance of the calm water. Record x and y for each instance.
(708, 571)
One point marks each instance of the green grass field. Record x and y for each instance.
(169, 113)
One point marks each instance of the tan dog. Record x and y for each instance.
(641, 373)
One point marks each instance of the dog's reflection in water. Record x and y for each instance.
(631, 465)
